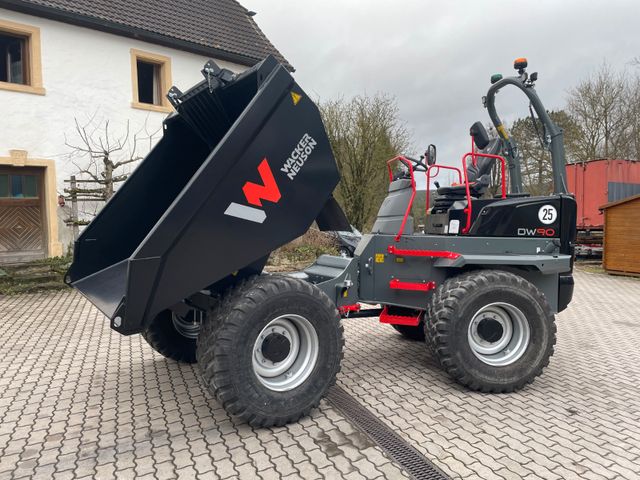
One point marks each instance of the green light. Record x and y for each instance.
(496, 77)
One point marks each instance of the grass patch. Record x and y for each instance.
(302, 251)
(590, 266)
(35, 276)
(592, 269)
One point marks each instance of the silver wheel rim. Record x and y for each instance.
(499, 334)
(300, 361)
(188, 327)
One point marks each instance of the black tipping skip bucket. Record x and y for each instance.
(243, 167)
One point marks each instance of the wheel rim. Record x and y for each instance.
(499, 334)
(285, 353)
(188, 326)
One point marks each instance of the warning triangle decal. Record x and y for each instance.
(296, 97)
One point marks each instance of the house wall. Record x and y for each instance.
(86, 75)
(622, 238)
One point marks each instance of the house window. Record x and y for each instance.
(20, 65)
(18, 186)
(13, 61)
(149, 83)
(151, 76)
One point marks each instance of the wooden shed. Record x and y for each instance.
(622, 236)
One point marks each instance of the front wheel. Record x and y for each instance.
(174, 336)
(492, 331)
(271, 350)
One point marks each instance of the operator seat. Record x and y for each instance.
(479, 175)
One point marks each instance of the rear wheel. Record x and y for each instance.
(412, 333)
(491, 330)
(271, 350)
(174, 336)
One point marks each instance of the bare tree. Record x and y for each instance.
(535, 158)
(102, 160)
(601, 107)
(364, 133)
(633, 105)
(100, 157)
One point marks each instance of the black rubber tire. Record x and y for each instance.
(452, 308)
(225, 349)
(412, 333)
(167, 341)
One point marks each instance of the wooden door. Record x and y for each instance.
(22, 232)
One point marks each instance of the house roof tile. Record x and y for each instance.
(221, 27)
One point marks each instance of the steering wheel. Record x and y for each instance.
(419, 165)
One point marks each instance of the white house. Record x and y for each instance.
(93, 61)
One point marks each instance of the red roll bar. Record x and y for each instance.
(474, 159)
(446, 167)
(468, 211)
(407, 162)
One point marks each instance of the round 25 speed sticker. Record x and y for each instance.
(547, 214)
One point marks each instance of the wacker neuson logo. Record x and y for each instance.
(255, 193)
(299, 156)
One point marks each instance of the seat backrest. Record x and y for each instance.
(484, 166)
(393, 208)
(479, 135)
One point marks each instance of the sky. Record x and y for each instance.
(436, 57)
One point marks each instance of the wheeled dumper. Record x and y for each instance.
(245, 166)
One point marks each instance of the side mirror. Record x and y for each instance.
(430, 155)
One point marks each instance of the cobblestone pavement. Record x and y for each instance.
(77, 400)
